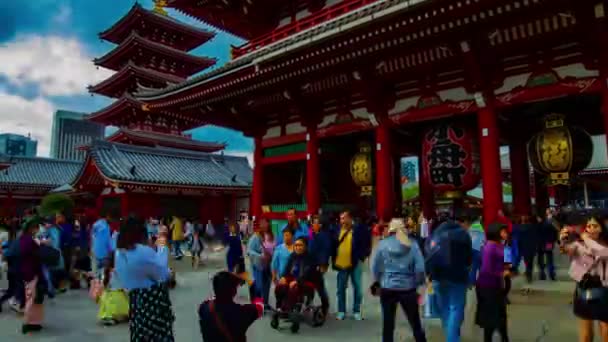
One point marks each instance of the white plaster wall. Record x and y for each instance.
(455, 94)
(360, 113)
(327, 120)
(294, 128)
(513, 82)
(577, 70)
(273, 132)
(403, 104)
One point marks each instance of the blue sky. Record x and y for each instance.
(46, 48)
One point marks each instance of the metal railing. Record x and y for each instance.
(307, 22)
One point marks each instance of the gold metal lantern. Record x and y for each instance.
(560, 151)
(361, 169)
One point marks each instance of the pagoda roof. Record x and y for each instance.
(123, 164)
(109, 114)
(163, 139)
(126, 79)
(115, 59)
(38, 173)
(191, 37)
(290, 44)
(122, 110)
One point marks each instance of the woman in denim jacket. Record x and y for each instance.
(398, 270)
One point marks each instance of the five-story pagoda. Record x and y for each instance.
(150, 167)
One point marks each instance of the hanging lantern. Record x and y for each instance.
(450, 159)
(560, 151)
(361, 169)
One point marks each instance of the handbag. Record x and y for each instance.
(49, 256)
(590, 287)
(219, 323)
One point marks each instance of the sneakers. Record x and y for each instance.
(356, 316)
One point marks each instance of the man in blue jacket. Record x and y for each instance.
(448, 261)
(320, 246)
(300, 230)
(351, 245)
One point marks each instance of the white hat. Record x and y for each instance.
(397, 226)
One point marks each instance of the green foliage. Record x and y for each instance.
(56, 203)
(507, 189)
(410, 191)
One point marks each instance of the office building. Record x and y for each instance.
(18, 145)
(70, 132)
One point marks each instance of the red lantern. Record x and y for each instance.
(450, 158)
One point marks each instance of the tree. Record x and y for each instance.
(56, 203)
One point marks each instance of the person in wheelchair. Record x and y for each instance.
(297, 287)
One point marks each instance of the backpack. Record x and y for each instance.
(438, 251)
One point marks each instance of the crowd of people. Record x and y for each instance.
(413, 263)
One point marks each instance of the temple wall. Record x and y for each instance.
(576, 70)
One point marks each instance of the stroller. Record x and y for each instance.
(299, 308)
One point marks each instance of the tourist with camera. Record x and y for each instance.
(589, 259)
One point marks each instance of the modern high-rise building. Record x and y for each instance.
(409, 169)
(70, 132)
(18, 145)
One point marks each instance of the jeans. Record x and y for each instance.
(15, 289)
(322, 290)
(355, 277)
(262, 280)
(48, 278)
(475, 266)
(408, 300)
(177, 249)
(452, 300)
(544, 255)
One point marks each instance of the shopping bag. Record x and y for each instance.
(113, 305)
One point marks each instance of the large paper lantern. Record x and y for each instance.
(450, 158)
(560, 151)
(361, 169)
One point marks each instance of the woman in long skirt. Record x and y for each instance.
(144, 272)
(31, 272)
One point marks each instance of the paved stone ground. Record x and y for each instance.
(71, 317)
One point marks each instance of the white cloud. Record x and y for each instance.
(22, 116)
(58, 66)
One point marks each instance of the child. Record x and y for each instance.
(234, 256)
(113, 302)
(196, 248)
(163, 252)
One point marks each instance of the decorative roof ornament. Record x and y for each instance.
(159, 7)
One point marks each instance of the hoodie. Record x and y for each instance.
(460, 253)
(397, 266)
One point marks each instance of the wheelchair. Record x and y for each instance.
(303, 310)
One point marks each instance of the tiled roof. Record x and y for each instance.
(167, 140)
(134, 43)
(39, 172)
(171, 167)
(197, 35)
(302, 39)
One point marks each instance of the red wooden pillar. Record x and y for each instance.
(520, 177)
(602, 42)
(426, 193)
(258, 178)
(384, 171)
(313, 183)
(491, 175)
